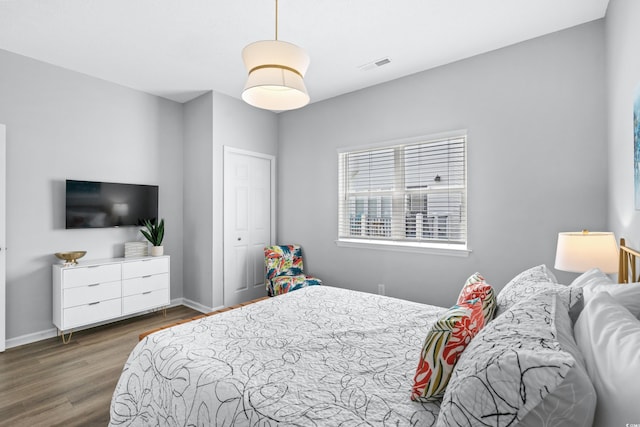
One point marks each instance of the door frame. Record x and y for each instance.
(3, 236)
(272, 162)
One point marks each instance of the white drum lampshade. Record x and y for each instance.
(276, 71)
(578, 252)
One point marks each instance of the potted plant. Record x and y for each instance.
(154, 233)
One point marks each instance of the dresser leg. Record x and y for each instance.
(68, 339)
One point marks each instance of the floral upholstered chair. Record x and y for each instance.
(284, 270)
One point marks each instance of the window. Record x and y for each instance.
(410, 194)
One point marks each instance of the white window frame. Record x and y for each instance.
(397, 243)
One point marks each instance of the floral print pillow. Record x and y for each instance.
(477, 287)
(446, 341)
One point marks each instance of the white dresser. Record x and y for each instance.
(102, 290)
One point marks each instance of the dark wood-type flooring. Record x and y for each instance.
(49, 383)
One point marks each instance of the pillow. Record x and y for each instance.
(446, 341)
(575, 390)
(535, 280)
(626, 294)
(592, 277)
(535, 274)
(539, 273)
(476, 287)
(571, 298)
(609, 337)
(520, 370)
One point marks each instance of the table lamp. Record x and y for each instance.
(581, 251)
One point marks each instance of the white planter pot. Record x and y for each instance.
(157, 250)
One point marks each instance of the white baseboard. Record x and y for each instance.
(176, 302)
(29, 338)
(50, 333)
(199, 307)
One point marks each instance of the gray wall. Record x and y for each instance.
(535, 117)
(60, 125)
(213, 121)
(623, 78)
(198, 202)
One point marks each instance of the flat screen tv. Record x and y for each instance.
(91, 204)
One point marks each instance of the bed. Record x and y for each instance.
(325, 356)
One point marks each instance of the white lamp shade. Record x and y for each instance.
(276, 70)
(120, 209)
(578, 252)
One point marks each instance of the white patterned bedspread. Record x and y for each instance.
(319, 356)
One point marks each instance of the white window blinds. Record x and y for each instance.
(413, 192)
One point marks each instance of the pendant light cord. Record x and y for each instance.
(276, 19)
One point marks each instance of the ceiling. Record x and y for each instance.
(179, 49)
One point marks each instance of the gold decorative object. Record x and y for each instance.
(70, 257)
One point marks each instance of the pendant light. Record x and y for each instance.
(276, 71)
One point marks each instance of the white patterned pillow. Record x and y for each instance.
(517, 366)
(533, 281)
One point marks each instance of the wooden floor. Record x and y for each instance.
(48, 383)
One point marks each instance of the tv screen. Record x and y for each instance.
(91, 204)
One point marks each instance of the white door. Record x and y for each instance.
(3, 237)
(249, 222)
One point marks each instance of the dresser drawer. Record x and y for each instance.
(80, 276)
(145, 267)
(143, 284)
(81, 295)
(145, 301)
(91, 313)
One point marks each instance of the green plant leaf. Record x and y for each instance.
(154, 232)
(159, 231)
(146, 235)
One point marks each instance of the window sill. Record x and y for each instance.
(425, 248)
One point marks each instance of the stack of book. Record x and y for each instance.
(135, 249)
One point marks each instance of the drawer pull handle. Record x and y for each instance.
(94, 303)
(93, 266)
(93, 284)
(146, 293)
(147, 276)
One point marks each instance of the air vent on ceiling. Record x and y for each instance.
(375, 64)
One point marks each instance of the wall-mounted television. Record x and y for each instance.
(91, 204)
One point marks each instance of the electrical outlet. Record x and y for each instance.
(381, 289)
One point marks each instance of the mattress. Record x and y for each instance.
(317, 356)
